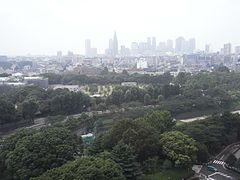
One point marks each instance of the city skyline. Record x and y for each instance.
(43, 27)
(89, 50)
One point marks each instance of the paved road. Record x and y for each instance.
(202, 117)
(219, 163)
(222, 174)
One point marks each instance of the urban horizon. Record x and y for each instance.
(160, 46)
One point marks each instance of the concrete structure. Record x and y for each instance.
(89, 51)
(191, 45)
(142, 64)
(72, 88)
(169, 46)
(162, 47)
(129, 84)
(180, 45)
(154, 44)
(134, 48)
(237, 50)
(115, 45)
(87, 47)
(207, 48)
(227, 49)
(149, 43)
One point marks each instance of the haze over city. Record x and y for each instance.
(45, 27)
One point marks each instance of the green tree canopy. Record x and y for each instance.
(179, 148)
(124, 155)
(29, 154)
(7, 111)
(86, 168)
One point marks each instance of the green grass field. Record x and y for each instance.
(173, 174)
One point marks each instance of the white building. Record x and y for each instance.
(142, 63)
(72, 88)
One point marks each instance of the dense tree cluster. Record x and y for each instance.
(29, 153)
(108, 78)
(215, 91)
(131, 148)
(24, 103)
(218, 90)
(144, 143)
(7, 112)
(87, 168)
(215, 132)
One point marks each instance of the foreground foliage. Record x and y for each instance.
(87, 168)
(30, 153)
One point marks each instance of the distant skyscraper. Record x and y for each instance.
(191, 45)
(154, 44)
(180, 45)
(89, 51)
(227, 49)
(124, 51)
(149, 43)
(109, 51)
(134, 48)
(207, 48)
(93, 52)
(115, 45)
(169, 45)
(162, 47)
(237, 50)
(87, 47)
(142, 47)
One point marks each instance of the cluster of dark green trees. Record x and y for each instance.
(25, 103)
(185, 93)
(107, 78)
(29, 153)
(142, 145)
(131, 148)
(206, 91)
(215, 132)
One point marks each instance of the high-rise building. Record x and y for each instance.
(143, 46)
(237, 50)
(154, 44)
(227, 49)
(93, 52)
(180, 45)
(149, 43)
(89, 51)
(87, 47)
(134, 48)
(115, 45)
(169, 45)
(162, 47)
(207, 48)
(124, 51)
(191, 46)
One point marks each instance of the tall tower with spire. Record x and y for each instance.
(115, 45)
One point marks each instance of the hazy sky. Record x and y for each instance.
(46, 26)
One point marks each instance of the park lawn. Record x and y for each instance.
(172, 174)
